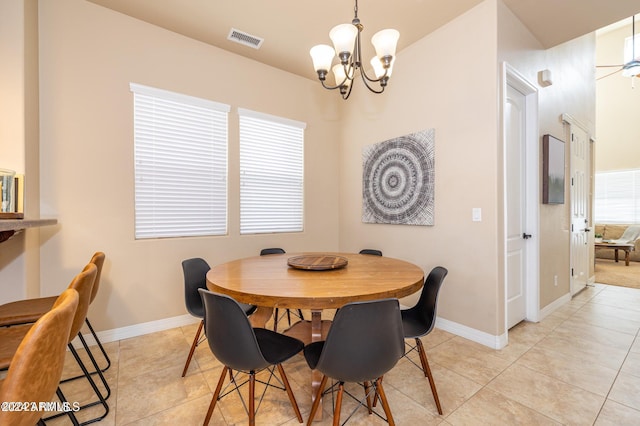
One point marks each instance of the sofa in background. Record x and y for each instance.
(614, 232)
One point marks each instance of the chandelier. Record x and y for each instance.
(346, 46)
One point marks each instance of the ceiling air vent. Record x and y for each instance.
(244, 38)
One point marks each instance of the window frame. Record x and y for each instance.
(179, 192)
(286, 214)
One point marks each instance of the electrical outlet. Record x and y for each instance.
(555, 280)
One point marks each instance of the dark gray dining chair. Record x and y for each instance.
(373, 252)
(195, 277)
(244, 349)
(364, 342)
(418, 321)
(278, 250)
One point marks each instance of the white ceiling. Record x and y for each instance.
(291, 27)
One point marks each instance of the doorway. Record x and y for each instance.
(521, 192)
(580, 184)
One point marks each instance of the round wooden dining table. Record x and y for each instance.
(270, 282)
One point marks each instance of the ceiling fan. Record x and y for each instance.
(631, 68)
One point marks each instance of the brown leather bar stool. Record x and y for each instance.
(11, 336)
(29, 310)
(36, 366)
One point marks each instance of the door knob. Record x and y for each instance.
(526, 236)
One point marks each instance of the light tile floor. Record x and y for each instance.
(579, 366)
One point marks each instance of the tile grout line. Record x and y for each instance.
(618, 375)
(551, 330)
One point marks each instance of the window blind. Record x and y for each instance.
(180, 164)
(617, 197)
(271, 173)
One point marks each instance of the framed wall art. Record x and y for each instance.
(552, 170)
(398, 180)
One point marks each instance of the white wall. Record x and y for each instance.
(89, 55)
(19, 121)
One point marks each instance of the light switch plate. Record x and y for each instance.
(476, 214)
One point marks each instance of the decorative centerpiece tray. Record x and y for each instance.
(317, 262)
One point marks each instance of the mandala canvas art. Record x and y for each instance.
(398, 180)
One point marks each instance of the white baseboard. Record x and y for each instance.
(486, 339)
(551, 307)
(138, 329)
(494, 342)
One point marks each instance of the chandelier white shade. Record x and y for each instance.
(385, 42)
(343, 37)
(347, 48)
(378, 69)
(322, 56)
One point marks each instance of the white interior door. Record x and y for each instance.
(580, 162)
(516, 197)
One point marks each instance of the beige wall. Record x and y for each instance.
(617, 124)
(89, 55)
(572, 92)
(447, 81)
(20, 256)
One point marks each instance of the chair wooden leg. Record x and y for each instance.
(367, 387)
(316, 401)
(193, 348)
(287, 387)
(336, 411)
(216, 394)
(427, 373)
(385, 403)
(252, 398)
(375, 396)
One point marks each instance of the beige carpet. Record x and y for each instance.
(610, 272)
